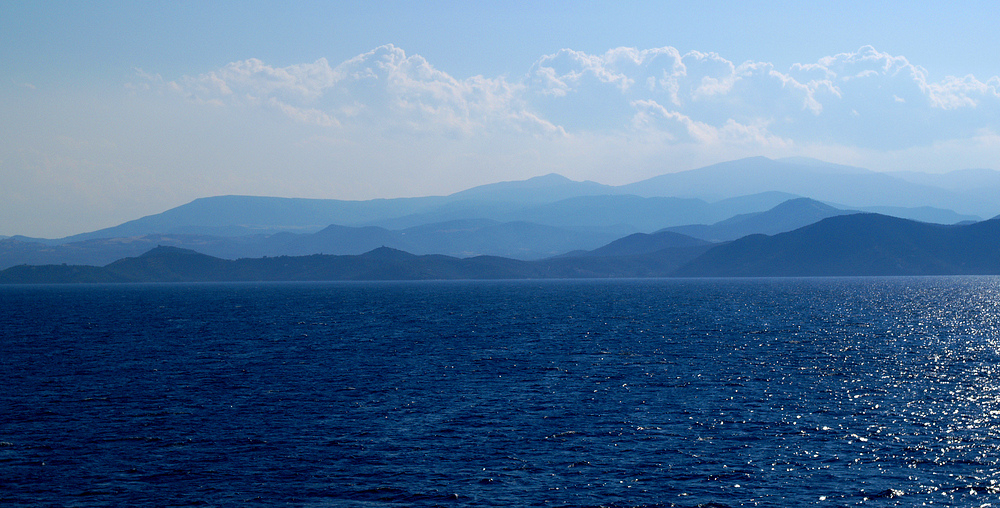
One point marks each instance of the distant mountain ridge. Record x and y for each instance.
(172, 264)
(540, 189)
(822, 181)
(460, 238)
(860, 244)
(244, 215)
(967, 192)
(791, 214)
(465, 238)
(535, 218)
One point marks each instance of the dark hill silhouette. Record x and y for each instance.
(859, 244)
(171, 264)
(643, 243)
(59, 274)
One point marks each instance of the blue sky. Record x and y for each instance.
(115, 110)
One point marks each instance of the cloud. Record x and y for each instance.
(384, 87)
(703, 86)
(866, 97)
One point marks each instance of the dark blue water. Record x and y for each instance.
(829, 392)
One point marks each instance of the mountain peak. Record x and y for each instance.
(167, 250)
(545, 188)
(387, 253)
(803, 204)
(549, 178)
(821, 166)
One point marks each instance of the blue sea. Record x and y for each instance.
(622, 393)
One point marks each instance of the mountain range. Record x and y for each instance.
(458, 238)
(791, 214)
(862, 244)
(536, 219)
(858, 245)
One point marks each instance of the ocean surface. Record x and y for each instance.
(658, 393)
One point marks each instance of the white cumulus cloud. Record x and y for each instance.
(655, 104)
(865, 97)
(383, 87)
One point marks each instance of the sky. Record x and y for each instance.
(110, 111)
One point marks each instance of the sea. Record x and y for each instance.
(551, 393)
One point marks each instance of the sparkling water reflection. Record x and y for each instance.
(830, 392)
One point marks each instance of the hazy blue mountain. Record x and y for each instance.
(822, 166)
(923, 214)
(29, 239)
(858, 244)
(333, 239)
(636, 213)
(610, 213)
(852, 187)
(540, 189)
(762, 201)
(466, 238)
(518, 239)
(458, 238)
(700, 196)
(504, 202)
(746, 176)
(844, 245)
(499, 211)
(499, 201)
(101, 251)
(959, 180)
(791, 214)
(980, 187)
(619, 214)
(242, 215)
(529, 232)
